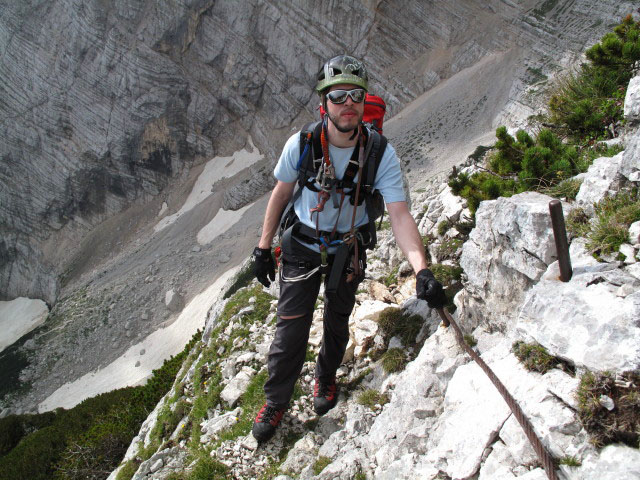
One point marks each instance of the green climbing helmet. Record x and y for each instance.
(342, 69)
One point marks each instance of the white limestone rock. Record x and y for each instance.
(173, 457)
(473, 414)
(632, 101)
(414, 405)
(634, 270)
(634, 233)
(445, 206)
(216, 424)
(237, 386)
(597, 316)
(516, 443)
(603, 179)
(629, 253)
(614, 462)
(563, 386)
(498, 465)
(303, 453)
(630, 165)
(507, 252)
(363, 323)
(346, 467)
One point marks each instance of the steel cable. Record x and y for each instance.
(541, 451)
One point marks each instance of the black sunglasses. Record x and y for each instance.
(340, 96)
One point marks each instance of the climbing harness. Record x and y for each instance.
(543, 454)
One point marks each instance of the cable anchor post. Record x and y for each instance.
(560, 237)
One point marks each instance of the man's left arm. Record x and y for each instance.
(409, 240)
(407, 236)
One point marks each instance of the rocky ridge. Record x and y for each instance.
(439, 417)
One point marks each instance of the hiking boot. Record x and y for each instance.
(266, 422)
(325, 396)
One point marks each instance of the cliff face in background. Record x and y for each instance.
(105, 102)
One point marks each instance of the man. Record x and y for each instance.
(324, 224)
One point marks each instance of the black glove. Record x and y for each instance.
(264, 266)
(429, 289)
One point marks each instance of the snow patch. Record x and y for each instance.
(158, 346)
(18, 317)
(223, 221)
(216, 169)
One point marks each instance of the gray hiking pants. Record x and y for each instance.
(288, 350)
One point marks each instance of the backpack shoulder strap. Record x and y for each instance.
(378, 147)
(376, 152)
(310, 147)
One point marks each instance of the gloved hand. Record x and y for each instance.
(264, 266)
(429, 289)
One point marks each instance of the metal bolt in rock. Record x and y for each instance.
(560, 236)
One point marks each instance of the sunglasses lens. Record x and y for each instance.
(357, 95)
(340, 96)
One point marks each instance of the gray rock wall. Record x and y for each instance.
(104, 102)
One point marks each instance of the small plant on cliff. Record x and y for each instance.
(614, 215)
(370, 398)
(609, 407)
(534, 357)
(470, 340)
(396, 322)
(393, 360)
(609, 228)
(320, 464)
(570, 461)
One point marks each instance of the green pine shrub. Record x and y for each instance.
(581, 107)
(89, 440)
(586, 102)
(15, 427)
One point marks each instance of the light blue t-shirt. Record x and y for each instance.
(388, 181)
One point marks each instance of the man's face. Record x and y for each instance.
(348, 115)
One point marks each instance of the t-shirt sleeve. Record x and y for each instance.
(389, 177)
(286, 168)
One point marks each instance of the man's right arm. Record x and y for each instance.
(280, 196)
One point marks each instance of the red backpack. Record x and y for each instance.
(374, 110)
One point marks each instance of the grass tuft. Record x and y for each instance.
(570, 461)
(370, 398)
(610, 426)
(393, 360)
(396, 322)
(534, 357)
(613, 217)
(470, 340)
(320, 464)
